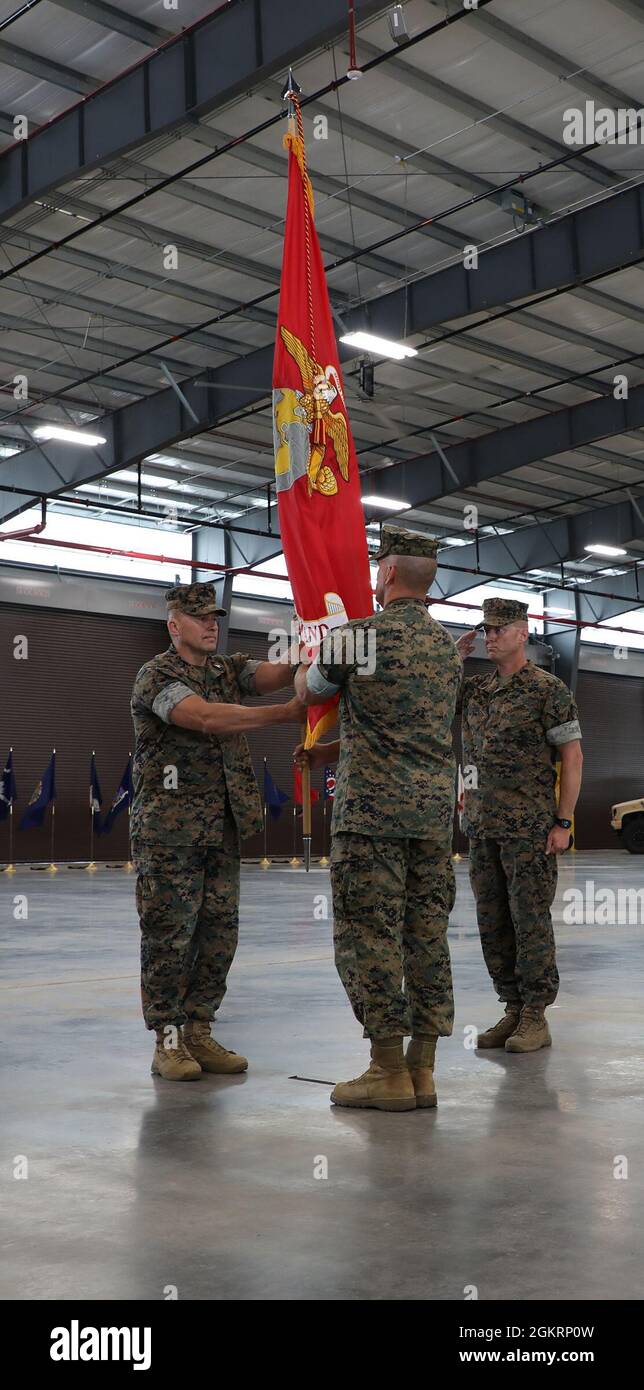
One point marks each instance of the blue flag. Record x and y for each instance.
(95, 793)
(273, 797)
(122, 798)
(329, 784)
(40, 798)
(8, 789)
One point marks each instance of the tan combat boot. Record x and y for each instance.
(386, 1085)
(210, 1054)
(532, 1033)
(420, 1058)
(499, 1034)
(174, 1063)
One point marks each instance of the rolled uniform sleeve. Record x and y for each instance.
(157, 692)
(245, 670)
(561, 717)
(334, 664)
(171, 695)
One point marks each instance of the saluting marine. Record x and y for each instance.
(515, 720)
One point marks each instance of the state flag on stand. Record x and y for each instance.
(122, 798)
(316, 469)
(274, 798)
(43, 793)
(8, 788)
(329, 784)
(95, 793)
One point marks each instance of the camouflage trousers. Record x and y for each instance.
(188, 904)
(391, 903)
(514, 884)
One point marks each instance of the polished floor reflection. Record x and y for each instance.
(527, 1182)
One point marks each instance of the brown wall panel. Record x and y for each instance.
(73, 692)
(611, 710)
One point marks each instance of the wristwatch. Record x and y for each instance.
(565, 824)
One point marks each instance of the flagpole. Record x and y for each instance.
(91, 866)
(295, 862)
(11, 868)
(306, 809)
(323, 857)
(265, 863)
(53, 868)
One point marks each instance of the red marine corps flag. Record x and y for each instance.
(316, 470)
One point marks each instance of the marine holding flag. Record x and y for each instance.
(391, 868)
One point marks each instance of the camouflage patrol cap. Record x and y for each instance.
(499, 611)
(394, 540)
(195, 599)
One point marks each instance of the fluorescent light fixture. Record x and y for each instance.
(604, 550)
(559, 612)
(388, 504)
(102, 490)
(70, 436)
(383, 346)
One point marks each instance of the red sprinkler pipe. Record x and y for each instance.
(30, 531)
(264, 574)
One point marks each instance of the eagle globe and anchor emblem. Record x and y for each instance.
(303, 421)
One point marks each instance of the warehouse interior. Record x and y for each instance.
(142, 206)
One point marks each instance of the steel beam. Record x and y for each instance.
(599, 238)
(552, 544)
(46, 69)
(429, 85)
(547, 59)
(113, 19)
(629, 595)
(584, 243)
(425, 478)
(202, 68)
(533, 547)
(564, 638)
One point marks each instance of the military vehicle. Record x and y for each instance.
(628, 820)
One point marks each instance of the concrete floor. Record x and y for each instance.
(137, 1187)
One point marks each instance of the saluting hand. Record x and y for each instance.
(465, 644)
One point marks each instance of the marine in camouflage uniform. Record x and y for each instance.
(391, 867)
(513, 726)
(195, 798)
